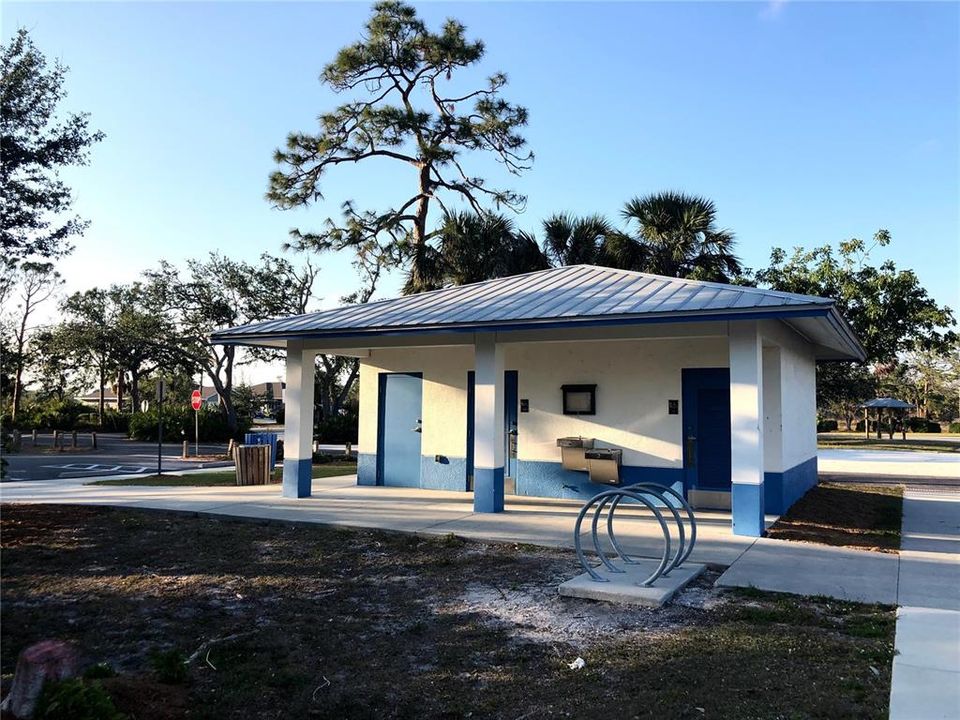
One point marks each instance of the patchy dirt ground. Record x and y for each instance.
(286, 621)
(867, 517)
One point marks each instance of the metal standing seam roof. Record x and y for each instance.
(886, 402)
(568, 295)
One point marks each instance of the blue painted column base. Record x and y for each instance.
(488, 490)
(747, 509)
(297, 477)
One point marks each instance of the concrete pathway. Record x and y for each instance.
(903, 463)
(340, 501)
(926, 668)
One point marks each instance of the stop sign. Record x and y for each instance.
(195, 400)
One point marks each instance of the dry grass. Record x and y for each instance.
(337, 623)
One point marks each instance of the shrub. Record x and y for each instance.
(178, 424)
(922, 425)
(954, 427)
(99, 671)
(827, 426)
(170, 666)
(338, 429)
(75, 700)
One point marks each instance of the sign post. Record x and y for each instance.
(196, 400)
(161, 391)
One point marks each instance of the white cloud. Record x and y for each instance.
(773, 9)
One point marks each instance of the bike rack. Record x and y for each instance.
(610, 500)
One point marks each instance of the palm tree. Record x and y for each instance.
(680, 236)
(570, 240)
(475, 247)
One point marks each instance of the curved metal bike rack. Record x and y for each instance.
(610, 500)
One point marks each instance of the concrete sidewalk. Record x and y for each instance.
(926, 668)
(339, 501)
(901, 463)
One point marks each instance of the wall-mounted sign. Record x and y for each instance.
(579, 399)
(673, 407)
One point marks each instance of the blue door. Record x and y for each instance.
(706, 429)
(399, 430)
(511, 403)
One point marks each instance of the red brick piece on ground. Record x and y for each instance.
(46, 660)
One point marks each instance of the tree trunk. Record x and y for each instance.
(103, 385)
(18, 376)
(121, 386)
(134, 392)
(17, 391)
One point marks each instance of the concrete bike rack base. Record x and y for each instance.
(625, 588)
(632, 579)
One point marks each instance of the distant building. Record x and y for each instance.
(93, 398)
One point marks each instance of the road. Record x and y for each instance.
(115, 455)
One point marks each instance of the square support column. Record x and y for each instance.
(488, 441)
(746, 428)
(298, 421)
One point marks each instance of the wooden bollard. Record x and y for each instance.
(348, 449)
(93, 439)
(73, 439)
(230, 448)
(186, 450)
(33, 437)
(15, 441)
(56, 439)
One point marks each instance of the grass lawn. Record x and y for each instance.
(859, 516)
(949, 444)
(225, 476)
(291, 621)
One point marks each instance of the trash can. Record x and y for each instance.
(264, 438)
(252, 464)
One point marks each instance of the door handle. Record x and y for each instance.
(691, 451)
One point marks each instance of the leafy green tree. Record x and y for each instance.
(33, 284)
(666, 233)
(37, 142)
(569, 240)
(678, 236)
(403, 110)
(219, 292)
(480, 246)
(88, 331)
(889, 309)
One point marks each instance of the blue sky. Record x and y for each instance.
(806, 123)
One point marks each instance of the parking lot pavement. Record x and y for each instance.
(114, 455)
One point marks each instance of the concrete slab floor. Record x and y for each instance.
(340, 501)
(807, 569)
(625, 588)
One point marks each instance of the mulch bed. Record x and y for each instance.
(867, 517)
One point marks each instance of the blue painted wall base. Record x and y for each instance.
(747, 509)
(449, 473)
(366, 469)
(781, 490)
(550, 479)
(297, 477)
(488, 490)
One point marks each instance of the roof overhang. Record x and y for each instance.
(821, 325)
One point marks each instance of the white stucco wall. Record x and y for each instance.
(634, 378)
(444, 395)
(789, 366)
